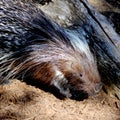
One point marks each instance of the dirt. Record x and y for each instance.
(19, 101)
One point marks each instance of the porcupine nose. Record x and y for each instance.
(98, 87)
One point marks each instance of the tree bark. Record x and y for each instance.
(78, 16)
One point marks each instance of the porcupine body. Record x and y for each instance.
(35, 49)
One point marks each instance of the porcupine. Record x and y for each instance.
(37, 50)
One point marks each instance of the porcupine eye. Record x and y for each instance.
(81, 74)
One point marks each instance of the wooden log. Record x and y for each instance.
(93, 27)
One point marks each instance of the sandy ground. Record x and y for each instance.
(19, 101)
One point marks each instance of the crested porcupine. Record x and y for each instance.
(35, 49)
